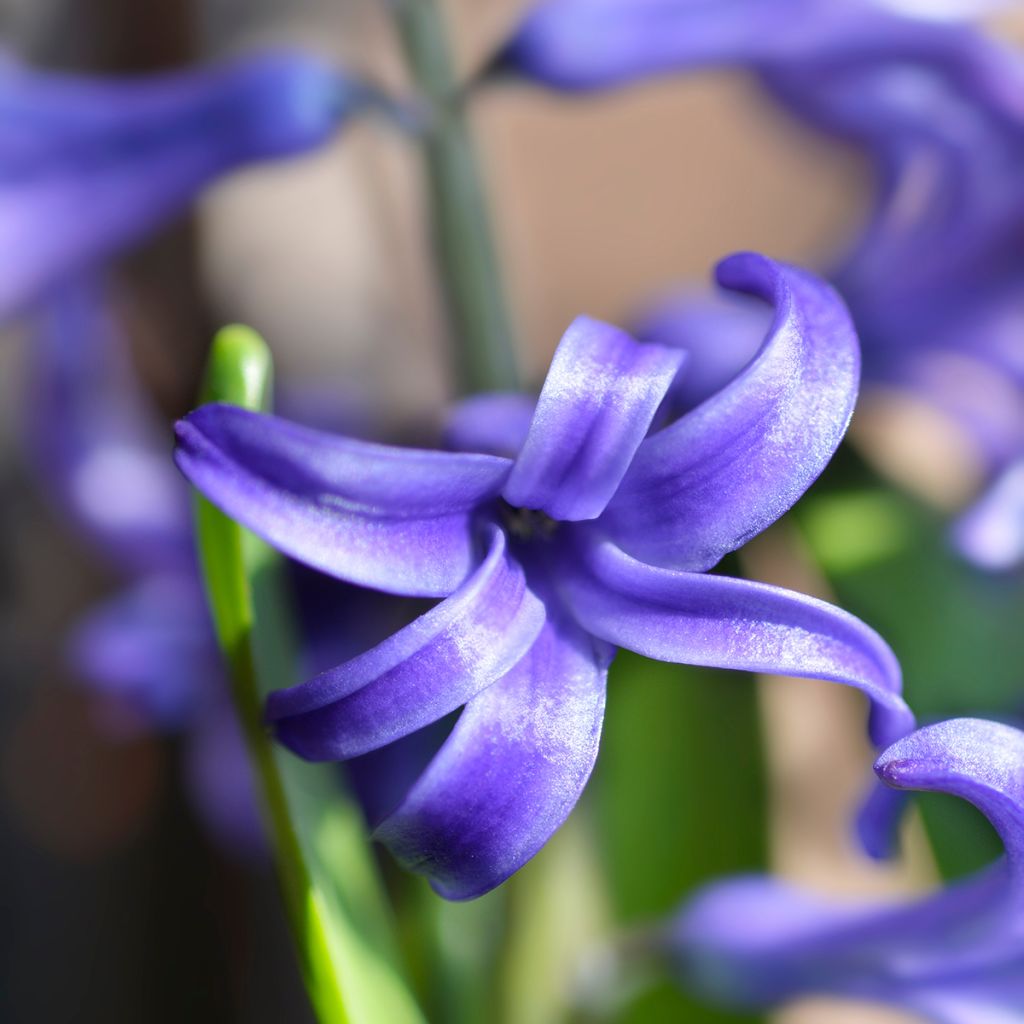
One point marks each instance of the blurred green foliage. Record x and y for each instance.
(956, 629)
(680, 792)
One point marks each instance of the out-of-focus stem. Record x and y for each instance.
(468, 264)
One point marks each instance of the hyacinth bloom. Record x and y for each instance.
(554, 532)
(953, 957)
(89, 166)
(934, 279)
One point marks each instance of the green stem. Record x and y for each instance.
(461, 224)
(333, 898)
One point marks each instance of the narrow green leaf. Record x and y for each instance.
(335, 903)
(681, 800)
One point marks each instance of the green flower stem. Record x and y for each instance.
(335, 905)
(461, 225)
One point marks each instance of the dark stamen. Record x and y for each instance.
(527, 523)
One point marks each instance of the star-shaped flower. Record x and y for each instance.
(556, 532)
(954, 957)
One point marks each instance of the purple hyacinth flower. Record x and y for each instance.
(560, 530)
(954, 957)
(89, 166)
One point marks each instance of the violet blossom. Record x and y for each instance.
(954, 957)
(89, 165)
(555, 532)
(935, 281)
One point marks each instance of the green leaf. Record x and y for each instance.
(955, 629)
(334, 899)
(681, 800)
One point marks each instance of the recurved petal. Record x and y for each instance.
(511, 770)
(977, 760)
(724, 471)
(699, 619)
(597, 403)
(418, 675)
(394, 519)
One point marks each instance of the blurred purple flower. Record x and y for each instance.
(580, 530)
(992, 532)
(599, 44)
(954, 957)
(89, 166)
(935, 280)
(148, 653)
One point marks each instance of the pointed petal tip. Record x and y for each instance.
(728, 468)
(732, 270)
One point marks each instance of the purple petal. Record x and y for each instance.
(977, 760)
(723, 472)
(597, 44)
(598, 401)
(394, 519)
(991, 534)
(97, 447)
(421, 673)
(496, 424)
(89, 166)
(511, 771)
(698, 619)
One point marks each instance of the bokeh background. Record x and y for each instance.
(116, 905)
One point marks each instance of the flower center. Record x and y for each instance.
(527, 523)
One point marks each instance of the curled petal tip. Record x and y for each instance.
(730, 467)
(977, 760)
